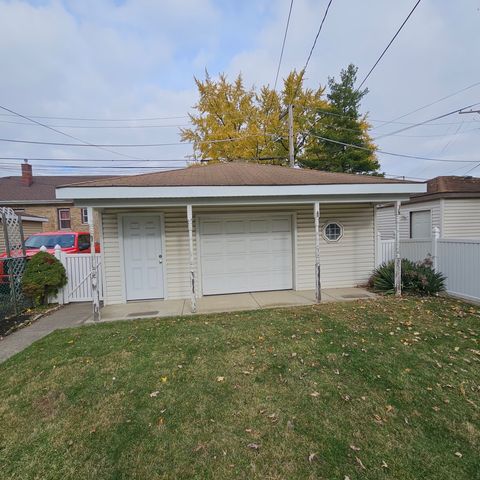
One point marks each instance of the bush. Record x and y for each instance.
(418, 278)
(44, 275)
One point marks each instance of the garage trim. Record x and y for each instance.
(202, 216)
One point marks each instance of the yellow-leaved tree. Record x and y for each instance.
(232, 122)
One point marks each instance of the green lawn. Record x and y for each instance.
(372, 390)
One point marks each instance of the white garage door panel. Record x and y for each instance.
(246, 254)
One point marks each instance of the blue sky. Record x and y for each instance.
(137, 59)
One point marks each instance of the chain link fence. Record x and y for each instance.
(12, 265)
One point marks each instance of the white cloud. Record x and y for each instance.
(137, 59)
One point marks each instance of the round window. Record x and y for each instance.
(333, 231)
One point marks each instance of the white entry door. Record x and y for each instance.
(246, 254)
(143, 257)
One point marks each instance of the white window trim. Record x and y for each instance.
(60, 220)
(82, 210)
(329, 222)
(409, 219)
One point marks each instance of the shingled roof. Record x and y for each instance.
(12, 189)
(236, 174)
(449, 187)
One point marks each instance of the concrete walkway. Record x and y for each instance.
(228, 303)
(71, 315)
(76, 314)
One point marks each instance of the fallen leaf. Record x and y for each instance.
(312, 457)
(354, 448)
(154, 394)
(220, 379)
(315, 394)
(164, 379)
(458, 454)
(253, 446)
(360, 463)
(384, 464)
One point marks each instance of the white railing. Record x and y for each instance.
(458, 260)
(78, 268)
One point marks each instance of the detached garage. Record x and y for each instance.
(233, 228)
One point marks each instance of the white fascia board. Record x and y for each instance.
(79, 193)
(226, 201)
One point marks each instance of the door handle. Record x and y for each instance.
(160, 258)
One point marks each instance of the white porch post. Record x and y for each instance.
(436, 236)
(59, 255)
(93, 267)
(192, 259)
(398, 260)
(318, 284)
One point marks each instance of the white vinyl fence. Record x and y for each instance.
(78, 268)
(458, 260)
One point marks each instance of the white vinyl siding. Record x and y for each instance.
(345, 263)
(386, 218)
(462, 218)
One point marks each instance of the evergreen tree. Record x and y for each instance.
(341, 122)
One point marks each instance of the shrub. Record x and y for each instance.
(44, 275)
(417, 278)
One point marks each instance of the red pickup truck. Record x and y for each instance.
(70, 242)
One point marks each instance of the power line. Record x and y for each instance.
(92, 159)
(431, 103)
(472, 169)
(134, 145)
(316, 36)
(326, 112)
(65, 134)
(145, 119)
(283, 45)
(425, 121)
(389, 43)
(97, 126)
(372, 150)
(97, 167)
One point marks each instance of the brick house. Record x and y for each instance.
(35, 196)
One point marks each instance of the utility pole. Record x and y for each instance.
(470, 111)
(291, 152)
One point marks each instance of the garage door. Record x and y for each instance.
(245, 254)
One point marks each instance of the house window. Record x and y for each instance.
(84, 215)
(333, 231)
(64, 222)
(421, 224)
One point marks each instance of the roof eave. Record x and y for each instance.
(185, 192)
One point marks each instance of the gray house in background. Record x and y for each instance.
(451, 203)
